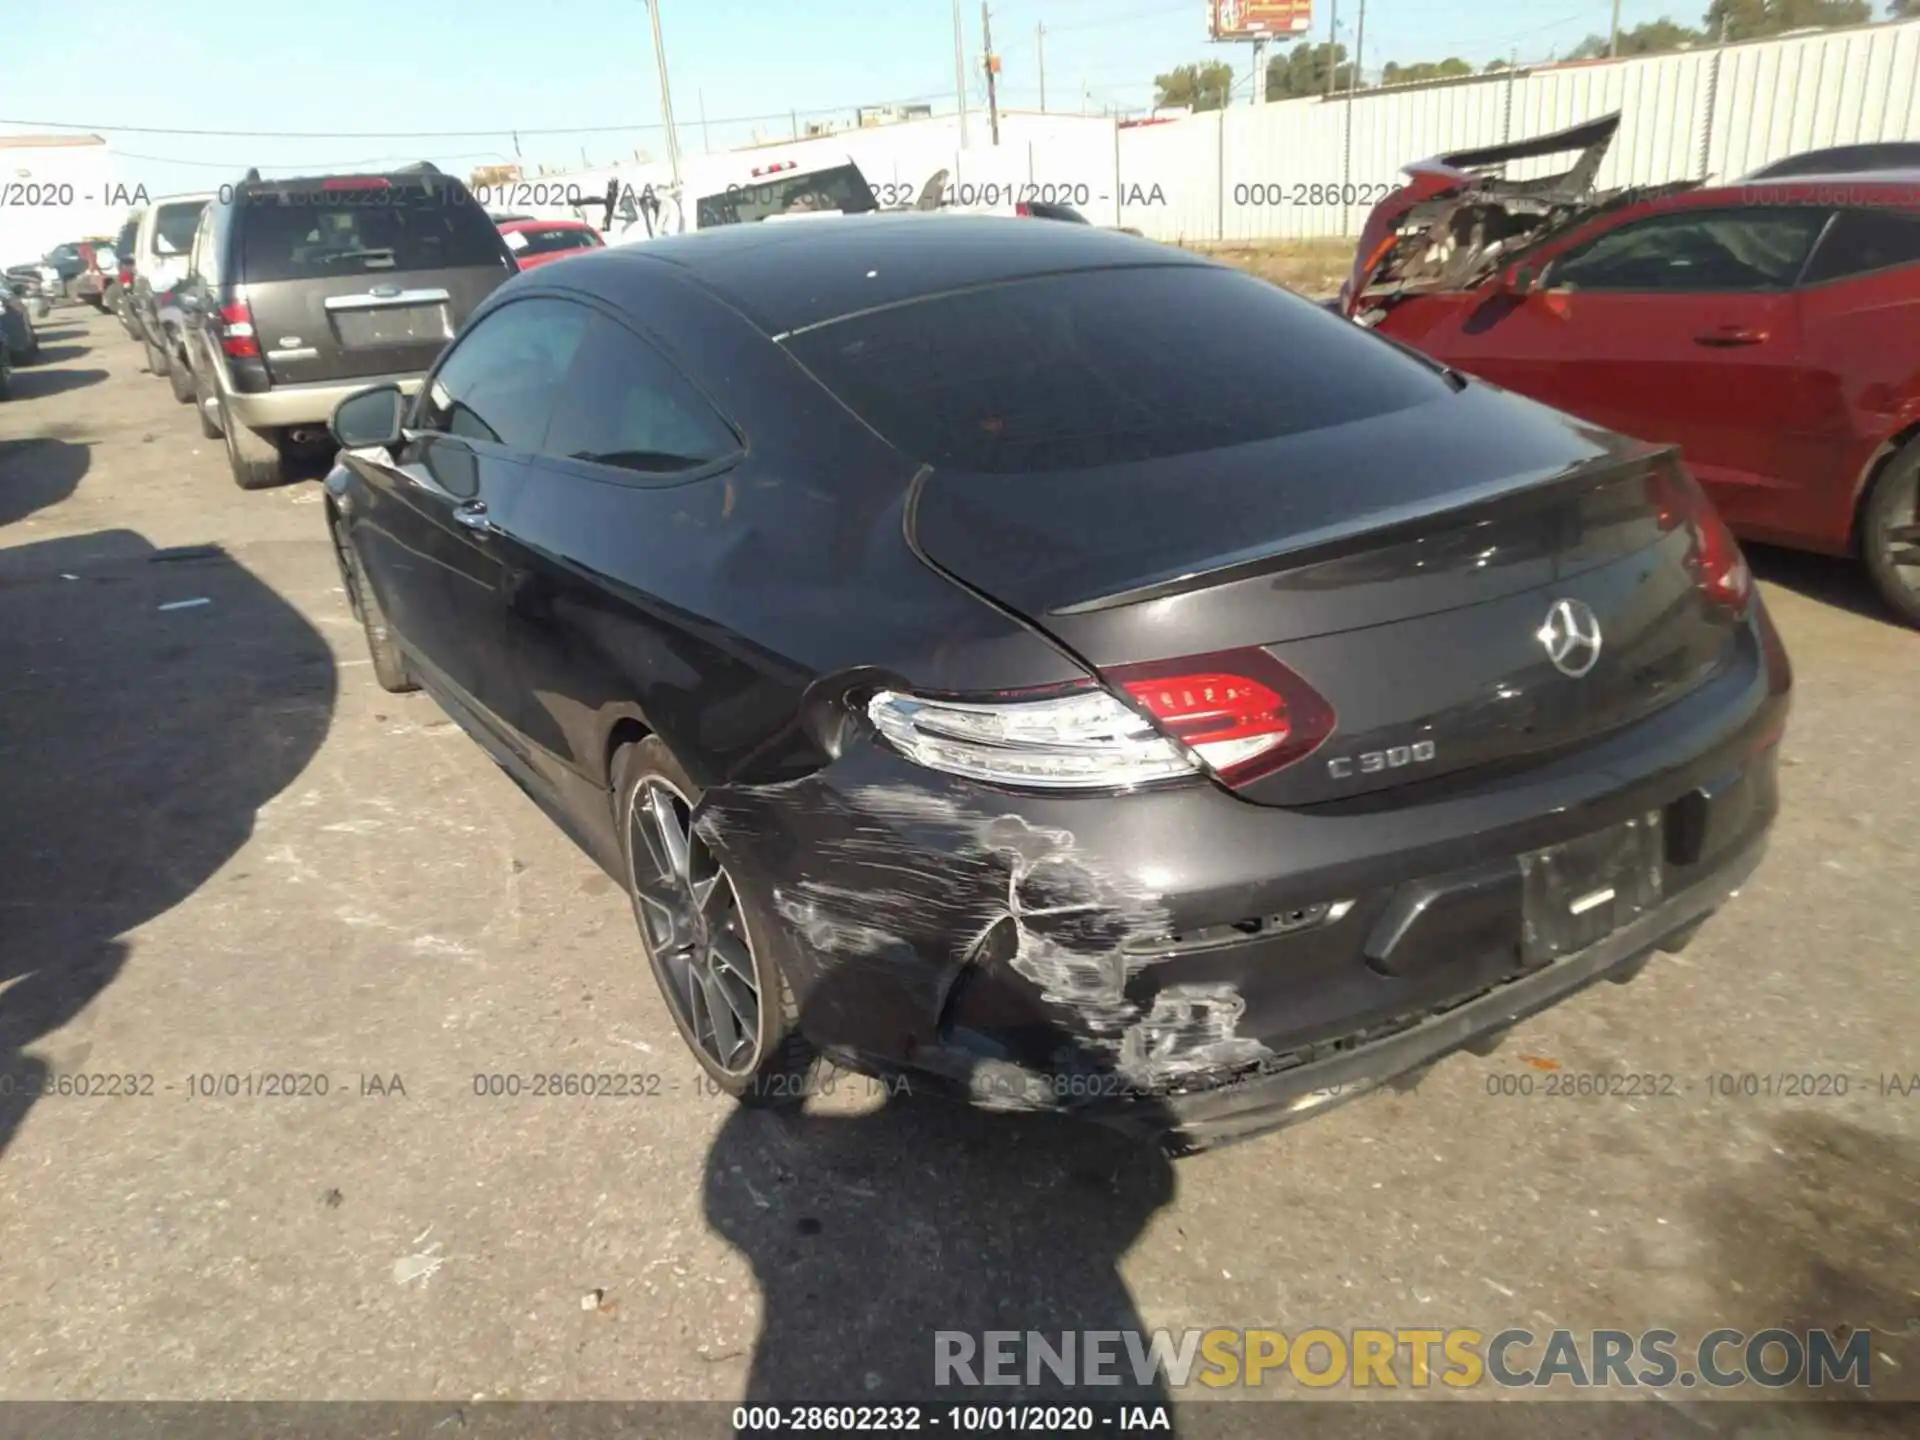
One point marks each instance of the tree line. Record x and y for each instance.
(1315, 69)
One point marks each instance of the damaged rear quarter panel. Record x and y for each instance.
(873, 871)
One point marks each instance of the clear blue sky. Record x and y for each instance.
(346, 69)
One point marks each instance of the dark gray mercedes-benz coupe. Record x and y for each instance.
(1060, 669)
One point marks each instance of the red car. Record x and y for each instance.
(538, 242)
(1770, 328)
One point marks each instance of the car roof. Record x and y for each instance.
(789, 277)
(1894, 183)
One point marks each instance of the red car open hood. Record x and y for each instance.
(1458, 216)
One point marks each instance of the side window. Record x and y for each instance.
(499, 382)
(1761, 248)
(625, 405)
(1861, 241)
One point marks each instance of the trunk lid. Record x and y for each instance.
(1405, 568)
(367, 279)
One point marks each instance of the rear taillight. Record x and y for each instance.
(1719, 569)
(1021, 207)
(126, 277)
(236, 331)
(1238, 714)
(1241, 711)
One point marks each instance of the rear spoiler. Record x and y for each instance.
(1484, 167)
(1588, 136)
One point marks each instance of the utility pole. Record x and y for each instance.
(993, 64)
(706, 135)
(1040, 39)
(1333, 47)
(666, 93)
(1359, 50)
(1259, 72)
(1613, 45)
(960, 72)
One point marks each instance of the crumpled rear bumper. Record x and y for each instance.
(1184, 963)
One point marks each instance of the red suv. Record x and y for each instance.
(1770, 328)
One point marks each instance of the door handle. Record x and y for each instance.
(474, 516)
(1729, 335)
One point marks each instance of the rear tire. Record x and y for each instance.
(6, 373)
(389, 665)
(207, 427)
(253, 458)
(156, 357)
(771, 1067)
(180, 379)
(1890, 533)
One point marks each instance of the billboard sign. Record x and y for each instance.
(1258, 19)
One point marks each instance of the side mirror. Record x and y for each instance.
(1520, 280)
(370, 417)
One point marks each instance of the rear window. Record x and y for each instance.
(175, 224)
(844, 189)
(530, 241)
(1102, 367)
(315, 234)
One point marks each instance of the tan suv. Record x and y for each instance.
(303, 291)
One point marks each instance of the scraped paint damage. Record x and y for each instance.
(946, 868)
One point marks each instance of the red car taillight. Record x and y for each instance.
(126, 277)
(1241, 711)
(1237, 713)
(236, 331)
(1719, 569)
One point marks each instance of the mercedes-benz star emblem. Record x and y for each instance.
(1571, 637)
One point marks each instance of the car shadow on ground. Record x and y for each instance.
(56, 354)
(1821, 1232)
(150, 703)
(32, 384)
(878, 1218)
(37, 473)
(1835, 580)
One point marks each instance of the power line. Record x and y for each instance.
(501, 130)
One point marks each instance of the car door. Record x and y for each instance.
(194, 309)
(434, 508)
(629, 430)
(1860, 374)
(1676, 324)
(1683, 328)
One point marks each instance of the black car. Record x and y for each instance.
(18, 339)
(1058, 667)
(301, 291)
(1845, 160)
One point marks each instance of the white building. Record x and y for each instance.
(55, 188)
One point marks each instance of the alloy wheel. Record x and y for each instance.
(690, 921)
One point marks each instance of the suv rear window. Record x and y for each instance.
(316, 234)
(1103, 367)
(175, 224)
(843, 188)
